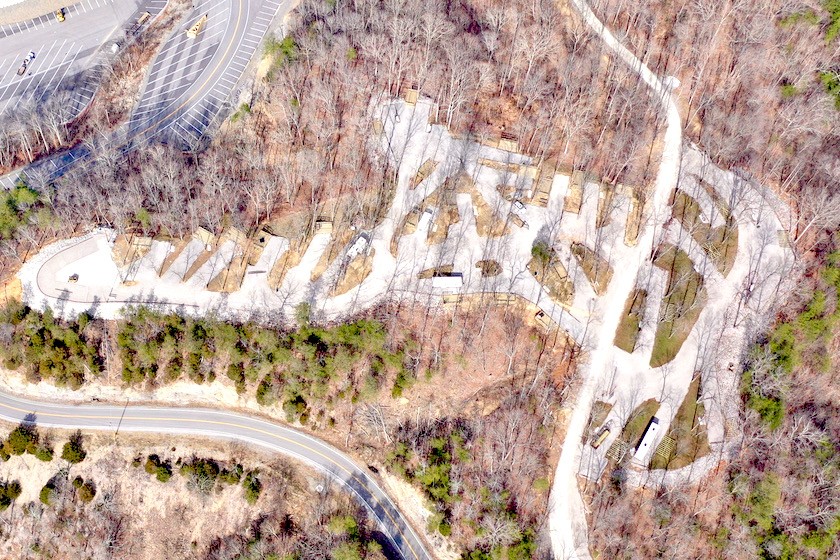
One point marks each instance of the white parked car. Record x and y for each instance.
(29, 58)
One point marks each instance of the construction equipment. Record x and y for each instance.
(193, 31)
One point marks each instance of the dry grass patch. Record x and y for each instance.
(489, 268)
(687, 432)
(598, 414)
(229, 279)
(11, 290)
(446, 216)
(720, 243)
(606, 202)
(597, 270)
(426, 169)
(634, 221)
(684, 300)
(290, 226)
(508, 192)
(542, 185)
(487, 222)
(338, 241)
(627, 333)
(574, 196)
(177, 248)
(443, 270)
(129, 248)
(554, 278)
(354, 273)
(504, 167)
(444, 199)
(196, 264)
(288, 261)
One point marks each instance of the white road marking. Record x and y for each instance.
(9, 68)
(12, 96)
(188, 72)
(63, 75)
(194, 127)
(21, 82)
(174, 128)
(221, 101)
(41, 62)
(51, 67)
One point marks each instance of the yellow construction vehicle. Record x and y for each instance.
(193, 31)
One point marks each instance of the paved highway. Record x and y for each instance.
(229, 426)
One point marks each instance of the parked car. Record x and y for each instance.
(59, 14)
(29, 58)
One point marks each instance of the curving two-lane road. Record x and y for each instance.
(230, 426)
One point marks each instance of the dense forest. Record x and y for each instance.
(536, 75)
(760, 81)
(339, 381)
(760, 88)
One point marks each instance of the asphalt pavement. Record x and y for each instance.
(193, 79)
(190, 83)
(63, 53)
(229, 426)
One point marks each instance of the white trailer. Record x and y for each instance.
(452, 281)
(646, 445)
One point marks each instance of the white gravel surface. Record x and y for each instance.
(627, 379)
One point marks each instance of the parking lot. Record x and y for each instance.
(182, 59)
(192, 78)
(63, 50)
